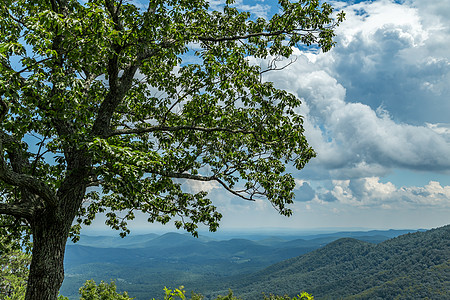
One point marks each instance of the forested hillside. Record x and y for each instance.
(412, 266)
(144, 268)
(144, 264)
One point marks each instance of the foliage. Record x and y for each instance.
(180, 293)
(302, 296)
(13, 272)
(172, 259)
(407, 267)
(172, 294)
(104, 291)
(411, 266)
(108, 107)
(103, 91)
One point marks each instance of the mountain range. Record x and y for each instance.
(330, 266)
(411, 266)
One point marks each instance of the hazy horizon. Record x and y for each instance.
(246, 231)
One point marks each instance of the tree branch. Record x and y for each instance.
(14, 18)
(28, 182)
(273, 66)
(240, 37)
(233, 191)
(256, 34)
(3, 110)
(119, 89)
(204, 178)
(176, 128)
(94, 182)
(19, 211)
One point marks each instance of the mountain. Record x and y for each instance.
(411, 266)
(144, 264)
(132, 241)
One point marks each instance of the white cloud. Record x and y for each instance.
(370, 192)
(366, 19)
(363, 192)
(395, 55)
(361, 103)
(382, 58)
(257, 9)
(441, 129)
(194, 186)
(432, 194)
(304, 192)
(354, 137)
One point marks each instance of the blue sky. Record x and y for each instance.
(377, 112)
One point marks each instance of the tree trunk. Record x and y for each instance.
(50, 229)
(47, 264)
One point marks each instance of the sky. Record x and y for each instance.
(377, 112)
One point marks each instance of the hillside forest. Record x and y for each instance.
(348, 265)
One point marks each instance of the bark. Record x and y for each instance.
(47, 264)
(50, 229)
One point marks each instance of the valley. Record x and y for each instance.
(144, 264)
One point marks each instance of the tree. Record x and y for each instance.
(104, 291)
(106, 105)
(13, 271)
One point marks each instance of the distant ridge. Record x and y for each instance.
(144, 264)
(131, 241)
(411, 266)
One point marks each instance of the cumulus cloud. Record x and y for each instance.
(361, 100)
(394, 55)
(304, 192)
(370, 192)
(377, 102)
(257, 8)
(441, 129)
(327, 197)
(363, 191)
(352, 136)
(194, 186)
